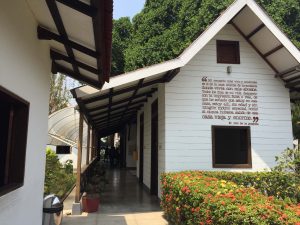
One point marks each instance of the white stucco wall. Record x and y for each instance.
(147, 135)
(25, 70)
(188, 142)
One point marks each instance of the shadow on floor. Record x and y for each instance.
(123, 202)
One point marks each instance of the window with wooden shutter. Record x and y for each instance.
(228, 52)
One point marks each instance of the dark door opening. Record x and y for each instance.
(154, 148)
(141, 172)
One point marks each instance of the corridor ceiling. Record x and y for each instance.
(80, 37)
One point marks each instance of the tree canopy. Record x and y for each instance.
(164, 28)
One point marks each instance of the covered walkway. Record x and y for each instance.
(124, 202)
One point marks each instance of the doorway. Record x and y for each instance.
(141, 172)
(154, 148)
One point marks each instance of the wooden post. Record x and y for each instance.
(79, 156)
(88, 148)
(93, 145)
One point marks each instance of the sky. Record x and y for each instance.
(127, 8)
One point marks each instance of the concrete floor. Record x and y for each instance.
(124, 202)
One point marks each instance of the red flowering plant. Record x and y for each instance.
(192, 197)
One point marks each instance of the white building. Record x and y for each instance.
(25, 67)
(224, 103)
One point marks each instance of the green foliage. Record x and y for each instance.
(59, 93)
(165, 28)
(289, 161)
(121, 36)
(296, 120)
(285, 186)
(192, 197)
(58, 178)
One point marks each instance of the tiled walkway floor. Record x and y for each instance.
(124, 202)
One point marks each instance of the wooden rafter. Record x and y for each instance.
(108, 112)
(77, 76)
(253, 46)
(61, 29)
(139, 85)
(288, 72)
(80, 7)
(255, 31)
(272, 51)
(167, 78)
(129, 111)
(147, 93)
(44, 34)
(58, 56)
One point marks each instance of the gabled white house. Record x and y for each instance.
(224, 103)
(75, 32)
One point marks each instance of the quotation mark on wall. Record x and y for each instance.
(255, 119)
(204, 79)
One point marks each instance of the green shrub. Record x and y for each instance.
(59, 178)
(285, 186)
(192, 197)
(288, 161)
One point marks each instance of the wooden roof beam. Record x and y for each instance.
(122, 106)
(253, 46)
(273, 50)
(44, 34)
(80, 7)
(288, 72)
(58, 56)
(122, 91)
(148, 94)
(256, 30)
(77, 76)
(133, 95)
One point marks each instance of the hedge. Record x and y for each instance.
(193, 197)
(285, 186)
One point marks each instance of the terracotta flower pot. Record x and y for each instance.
(90, 203)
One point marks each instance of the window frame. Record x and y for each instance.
(236, 48)
(19, 174)
(249, 154)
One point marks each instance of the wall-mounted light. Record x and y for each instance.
(229, 69)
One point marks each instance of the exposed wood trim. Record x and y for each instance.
(253, 46)
(58, 56)
(122, 91)
(273, 50)
(88, 147)
(61, 69)
(115, 109)
(133, 95)
(102, 26)
(116, 120)
(292, 84)
(80, 7)
(109, 104)
(118, 113)
(291, 79)
(288, 71)
(257, 29)
(171, 74)
(79, 156)
(44, 34)
(148, 94)
(61, 29)
(249, 155)
(143, 100)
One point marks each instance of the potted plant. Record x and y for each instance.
(91, 196)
